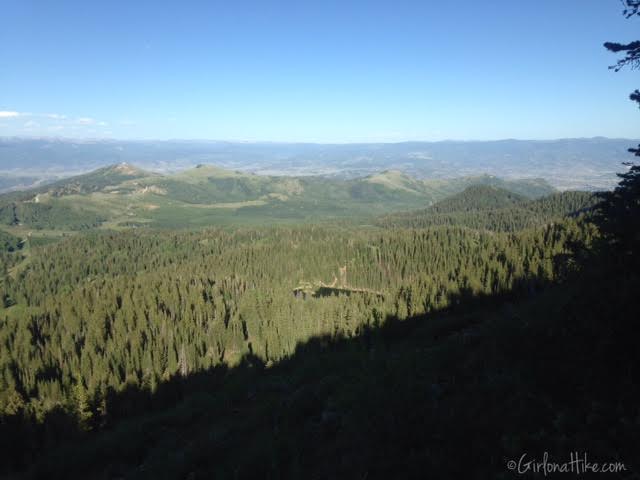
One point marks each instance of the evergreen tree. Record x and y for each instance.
(619, 211)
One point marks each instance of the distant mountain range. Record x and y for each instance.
(123, 196)
(585, 163)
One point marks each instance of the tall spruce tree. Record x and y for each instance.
(619, 212)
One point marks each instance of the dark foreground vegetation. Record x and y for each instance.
(445, 351)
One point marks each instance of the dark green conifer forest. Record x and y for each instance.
(107, 311)
(440, 342)
(245, 353)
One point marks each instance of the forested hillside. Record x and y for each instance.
(478, 197)
(116, 309)
(278, 308)
(246, 352)
(8, 243)
(489, 208)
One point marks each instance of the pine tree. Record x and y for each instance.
(82, 406)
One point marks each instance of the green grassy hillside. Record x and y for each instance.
(122, 196)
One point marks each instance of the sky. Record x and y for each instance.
(315, 71)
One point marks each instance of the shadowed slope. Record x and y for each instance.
(457, 394)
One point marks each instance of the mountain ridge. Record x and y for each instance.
(123, 194)
(588, 163)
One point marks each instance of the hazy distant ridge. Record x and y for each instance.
(586, 163)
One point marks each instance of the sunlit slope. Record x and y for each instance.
(123, 196)
(492, 208)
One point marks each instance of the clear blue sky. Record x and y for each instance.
(326, 71)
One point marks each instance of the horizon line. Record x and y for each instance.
(284, 142)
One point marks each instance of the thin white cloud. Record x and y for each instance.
(13, 114)
(51, 122)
